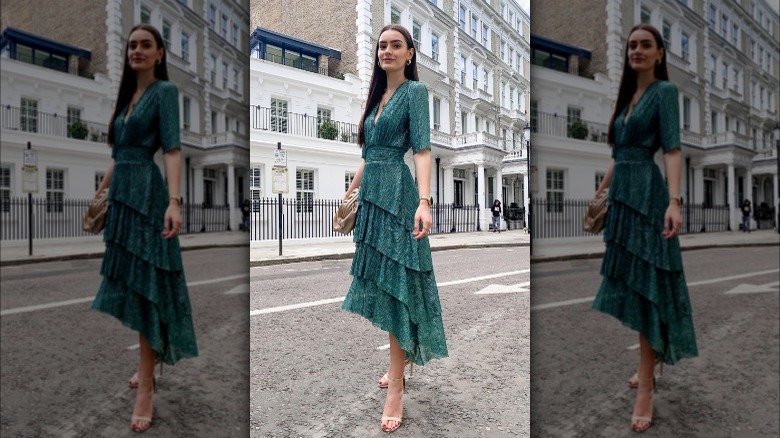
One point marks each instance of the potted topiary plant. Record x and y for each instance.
(578, 130)
(78, 129)
(345, 136)
(328, 130)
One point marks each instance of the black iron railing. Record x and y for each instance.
(63, 218)
(314, 218)
(556, 219)
(27, 120)
(267, 119)
(560, 126)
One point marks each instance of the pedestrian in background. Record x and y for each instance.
(496, 209)
(143, 279)
(394, 286)
(246, 208)
(746, 210)
(644, 284)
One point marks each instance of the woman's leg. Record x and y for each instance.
(393, 404)
(644, 393)
(143, 396)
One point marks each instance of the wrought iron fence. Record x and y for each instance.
(63, 218)
(270, 119)
(304, 219)
(555, 219)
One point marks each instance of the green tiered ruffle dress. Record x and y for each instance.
(143, 281)
(394, 286)
(644, 284)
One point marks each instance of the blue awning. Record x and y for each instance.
(37, 42)
(551, 46)
(291, 43)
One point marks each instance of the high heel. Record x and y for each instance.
(383, 381)
(133, 382)
(633, 382)
(143, 418)
(647, 421)
(396, 419)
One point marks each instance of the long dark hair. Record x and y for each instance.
(628, 80)
(128, 83)
(379, 76)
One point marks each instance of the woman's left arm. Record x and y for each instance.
(422, 168)
(673, 218)
(173, 218)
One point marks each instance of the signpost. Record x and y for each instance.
(30, 186)
(280, 183)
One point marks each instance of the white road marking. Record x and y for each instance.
(486, 277)
(561, 303)
(134, 347)
(754, 288)
(34, 308)
(501, 289)
(383, 347)
(633, 347)
(295, 306)
(240, 289)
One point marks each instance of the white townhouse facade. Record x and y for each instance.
(472, 56)
(723, 57)
(54, 75)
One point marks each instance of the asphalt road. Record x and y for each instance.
(313, 369)
(581, 359)
(65, 367)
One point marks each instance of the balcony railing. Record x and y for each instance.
(559, 126)
(265, 119)
(730, 138)
(18, 119)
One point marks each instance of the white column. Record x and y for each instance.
(733, 210)
(197, 185)
(231, 189)
(698, 186)
(448, 197)
(749, 194)
(498, 191)
(526, 191)
(481, 195)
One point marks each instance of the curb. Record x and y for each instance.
(97, 255)
(600, 254)
(348, 255)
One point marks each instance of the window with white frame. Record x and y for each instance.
(185, 110)
(304, 190)
(462, 69)
(55, 190)
(572, 115)
(255, 183)
(485, 80)
(213, 70)
(725, 82)
(235, 80)
(212, 17)
(213, 122)
(713, 72)
(395, 16)
(462, 18)
(511, 57)
(502, 49)
(724, 26)
(224, 27)
(474, 76)
(502, 9)
(146, 16)
(485, 34)
(323, 114)
(713, 14)
(348, 178)
(224, 75)
(685, 51)
(734, 34)
(464, 122)
(686, 113)
(74, 114)
(667, 34)
(555, 190)
(166, 34)
(99, 177)
(476, 124)
(644, 15)
(28, 117)
(416, 34)
(503, 95)
(5, 188)
(473, 26)
(436, 113)
(435, 47)
(185, 47)
(511, 98)
(234, 35)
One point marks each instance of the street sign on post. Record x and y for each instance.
(280, 180)
(30, 158)
(280, 157)
(29, 179)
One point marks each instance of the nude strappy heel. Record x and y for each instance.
(648, 421)
(383, 381)
(133, 382)
(147, 419)
(397, 419)
(633, 382)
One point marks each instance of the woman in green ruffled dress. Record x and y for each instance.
(644, 284)
(143, 279)
(394, 286)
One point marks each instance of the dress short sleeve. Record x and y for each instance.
(363, 152)
(419, 118)
(169, 117)
(668, 117)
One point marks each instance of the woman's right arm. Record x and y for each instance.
(106, 180)
(605, 183)
(356, 180)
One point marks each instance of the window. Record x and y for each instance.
(323, 114)
(474, 76)
(714, 63)
(348, 177)
(55, 190)
(234, 34)
(473, 26)
(511, 56)
(685, 51)
(485, 80)
(534, 116)
(572, 115)
(146, 16)
(185, 47)
(255, 184)
(185, 108)
(644, 16)
(278, 115)
(712, 17)
(686, 113)
(599, 178)
(395, 16)
(725, 82)
(714, 122)
(736, 79)
(235, 80)
(5, 188)
(462, 69)
(99, 176)
(212, 17)
(464, 122)
(436, 113)
(724, 26)
(224, 75)
(213, 122)
(416, 34)
(224, 26)
(435, 47)
(74, 114)
(304, 190)
(502, 48)
(166, 34)
(458, 198)
(512, 98)
(752, 49)
(485, 34)
(734, 34)
(28, 117)
(667, 33)
(555, 182)
(213, 70)
(503, 7)
(503, 94)
(462, 18)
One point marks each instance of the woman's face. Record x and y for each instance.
(142, 51)
(643, 52)
(393, 51)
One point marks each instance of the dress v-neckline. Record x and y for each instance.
(630, 110)
(126, 115)
(377, 112)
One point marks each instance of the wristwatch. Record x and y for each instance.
(179, 200)
(428, 198)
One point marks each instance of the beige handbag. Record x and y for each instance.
(344, 220)
(593, 222)
(95, 218)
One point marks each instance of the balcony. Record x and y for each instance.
(427, 61)
(484, 95)
(264, 119)
(559, 126)
(441, 138)
(479, 138)
(677, 61)
(690, 138)
(16, 119)
(728, 138)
